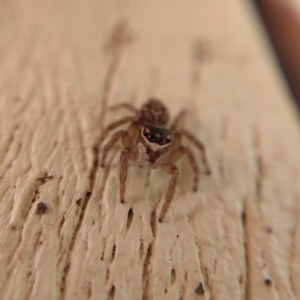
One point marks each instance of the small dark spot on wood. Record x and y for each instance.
(243, 216)
(141, 251)
(88, 194)
(268, 281)
(241, 279)
(41, 208)
(67, 267)
(200, 290)
(78, 201)
(17, 98)
(269, 230)
(96, 162)
(89, 292)
(166, 291)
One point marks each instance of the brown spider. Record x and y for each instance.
(147, 140)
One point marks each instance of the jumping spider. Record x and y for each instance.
(147, 140)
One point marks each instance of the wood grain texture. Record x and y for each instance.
(62, 66)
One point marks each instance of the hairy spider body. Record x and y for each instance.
(147, 140)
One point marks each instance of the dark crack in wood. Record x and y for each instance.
(72, 243)
(244, 222)
(113, 254)
(119, 37)
(259, 167)
(146, 274)
(111, 294)
(129, 219)
(173, 276)
(200, 290)
(44, 178)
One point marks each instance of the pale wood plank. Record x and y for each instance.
(62, 65)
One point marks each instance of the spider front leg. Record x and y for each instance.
(178, 153)
(119, 134)
(114, 125)
(171, 169)
(126, 154)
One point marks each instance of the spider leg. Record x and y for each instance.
(114, 125)
(176, 137)
(177, 120)
(171, 169)
(142, 154)
(126, 106)
(117, 135)
(200, 146)
(126, 154)
(178, 153)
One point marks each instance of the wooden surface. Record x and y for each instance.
(62, 65)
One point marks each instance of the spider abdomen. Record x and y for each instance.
(155, 113)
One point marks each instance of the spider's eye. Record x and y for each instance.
(161, 140)
(152, 138)
(145, 133)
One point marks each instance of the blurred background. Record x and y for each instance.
(282, 21)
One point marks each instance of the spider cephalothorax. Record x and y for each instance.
(147, 139)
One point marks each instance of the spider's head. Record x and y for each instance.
(156, 137)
